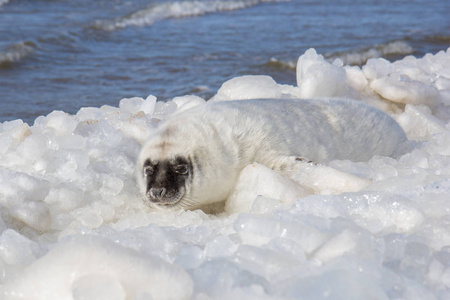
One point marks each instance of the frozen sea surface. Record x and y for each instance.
(73, 225)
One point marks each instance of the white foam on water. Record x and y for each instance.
(16, 52)
(177, 9)
(73, 224)
(357, 57)
(360, 57)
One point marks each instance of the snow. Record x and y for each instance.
(73, 225)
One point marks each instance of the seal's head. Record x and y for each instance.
(165, 173)
(185, 165)
(165, 180)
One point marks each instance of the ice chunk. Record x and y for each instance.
(263, 205)
(34, 214)
(350, 241)
(218, 276)
(442, 84)
(248, 87)
(16, 253)
(73, 141)
(90, 114)
(190, 257)
(65, 272)
(360, 169)
(148, 106)
(377, 68)
(16, 249)
(88, 217)
(318, 78)
(2, 225)
(338, 285)
(252, 292)
(163, 109)
(415, 260)
(256, 230)
(276, 265)
(220, 246)
(290, 91)
(14, 133)
(20, 187)
(337, 246)
(111, 185)
(71, 165)
(439, 144)
(419, 122)
(289, 248)
(8, 125)
(99, 133)
(373, 211)
(356, 78)
(34, 147)
(64, 199)
(132, 105)
(98, 286)
(259, 180)
(60, 122)
(402, 89)
(186, 102)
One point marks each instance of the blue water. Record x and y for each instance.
(63, 55)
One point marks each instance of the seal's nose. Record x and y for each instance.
(157, 193)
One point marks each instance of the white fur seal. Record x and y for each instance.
(194, 158)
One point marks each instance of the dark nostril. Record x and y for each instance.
(157, 193)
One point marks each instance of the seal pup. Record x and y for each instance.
(193, 159)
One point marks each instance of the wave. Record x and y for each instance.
(2, 2)
(179, 9)
(361, 56)
(280, 64)
(16, 52)
(439, 38)
(355, 57)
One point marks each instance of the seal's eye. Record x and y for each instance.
(148, 171)
(181, 169)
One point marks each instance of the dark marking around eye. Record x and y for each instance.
(149, 168)
(183, 166)
(181, 169)
(148, 163)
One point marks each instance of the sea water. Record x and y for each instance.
(73, 224)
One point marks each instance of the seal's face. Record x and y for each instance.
(165, 180)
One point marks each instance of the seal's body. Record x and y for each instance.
(194, 158)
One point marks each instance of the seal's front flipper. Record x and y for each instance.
(289, 165)
(327, 180)
(320, 178)
(303, 160)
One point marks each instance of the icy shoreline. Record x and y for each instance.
(73, 226)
